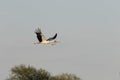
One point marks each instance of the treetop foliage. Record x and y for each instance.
(23, 72)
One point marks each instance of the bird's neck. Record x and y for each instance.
(37, 43)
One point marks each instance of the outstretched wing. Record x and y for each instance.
(39, 34)
(52, 38)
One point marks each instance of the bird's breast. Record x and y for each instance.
(45, 42)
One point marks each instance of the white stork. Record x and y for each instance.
(42, 40)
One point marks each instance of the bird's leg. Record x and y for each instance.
(56, 41)
(53, 43)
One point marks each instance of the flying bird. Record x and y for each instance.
(42, 40)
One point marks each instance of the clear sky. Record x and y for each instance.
(88, 31)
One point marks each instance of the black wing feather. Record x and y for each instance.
(38, 33)
(51, 38)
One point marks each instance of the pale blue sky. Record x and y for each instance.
(88, 31)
